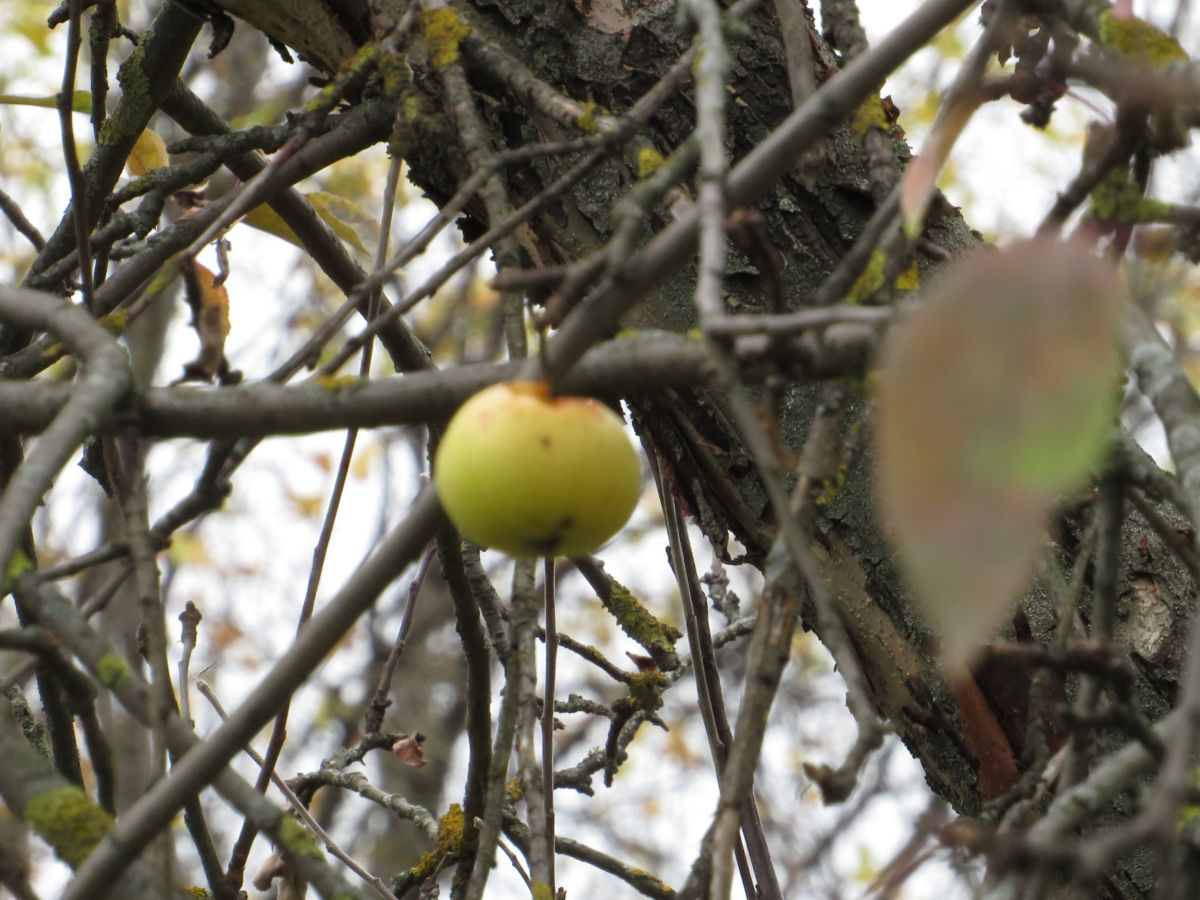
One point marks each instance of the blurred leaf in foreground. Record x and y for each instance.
(995, 398)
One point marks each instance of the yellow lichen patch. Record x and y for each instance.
(1139, 41)
(871, 279)
(363, 62)
(870, 114)
(112, 670)
(646, 689)
(396, 73)
(587, 118)
(115, 322)
(449, 836)
(337, 382)
(649, 161)
(68, 821)
(450, 828)
(412, 108)
(541, 891)
(637, 621)
(137, 103)
(444, 31)
(1117, 198)
(829, 488)
(652, 880)
(18, 565)
(908, 280)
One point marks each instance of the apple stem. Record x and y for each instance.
(548, 717)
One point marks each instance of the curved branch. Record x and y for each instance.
(106, 378)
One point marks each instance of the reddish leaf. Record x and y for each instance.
(995, 397)
(408, 750)
(920, 178)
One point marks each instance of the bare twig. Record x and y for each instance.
(297, 806)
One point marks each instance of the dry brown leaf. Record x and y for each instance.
(210, 317)
(408, 750)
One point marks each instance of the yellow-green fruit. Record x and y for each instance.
(533, 474)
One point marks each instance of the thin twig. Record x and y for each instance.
(66, 114)
(548, 714)
(298, 807)
(12, 210)
(708, 684)
(525, 605)
(380, 701)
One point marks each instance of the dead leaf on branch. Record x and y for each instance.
(209, 302)
(407, 749)
(291, 885)
(996, 397)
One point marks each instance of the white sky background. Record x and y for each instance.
(1006, 176)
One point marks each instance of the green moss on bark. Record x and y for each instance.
(444, 31)
(68, 820)
(637, 621)
(137, 102)
(112, 670)
(1139, 41)
(297, 840)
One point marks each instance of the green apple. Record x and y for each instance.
(532, 474)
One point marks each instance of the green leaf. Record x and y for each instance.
(81, 101)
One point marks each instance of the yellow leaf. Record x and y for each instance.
(220, 633)
(188, 549)
(266, 219)
(481, 296)
(347, 220)
(364, 460)
(867, 870)
(308, 505)
(149, 152)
